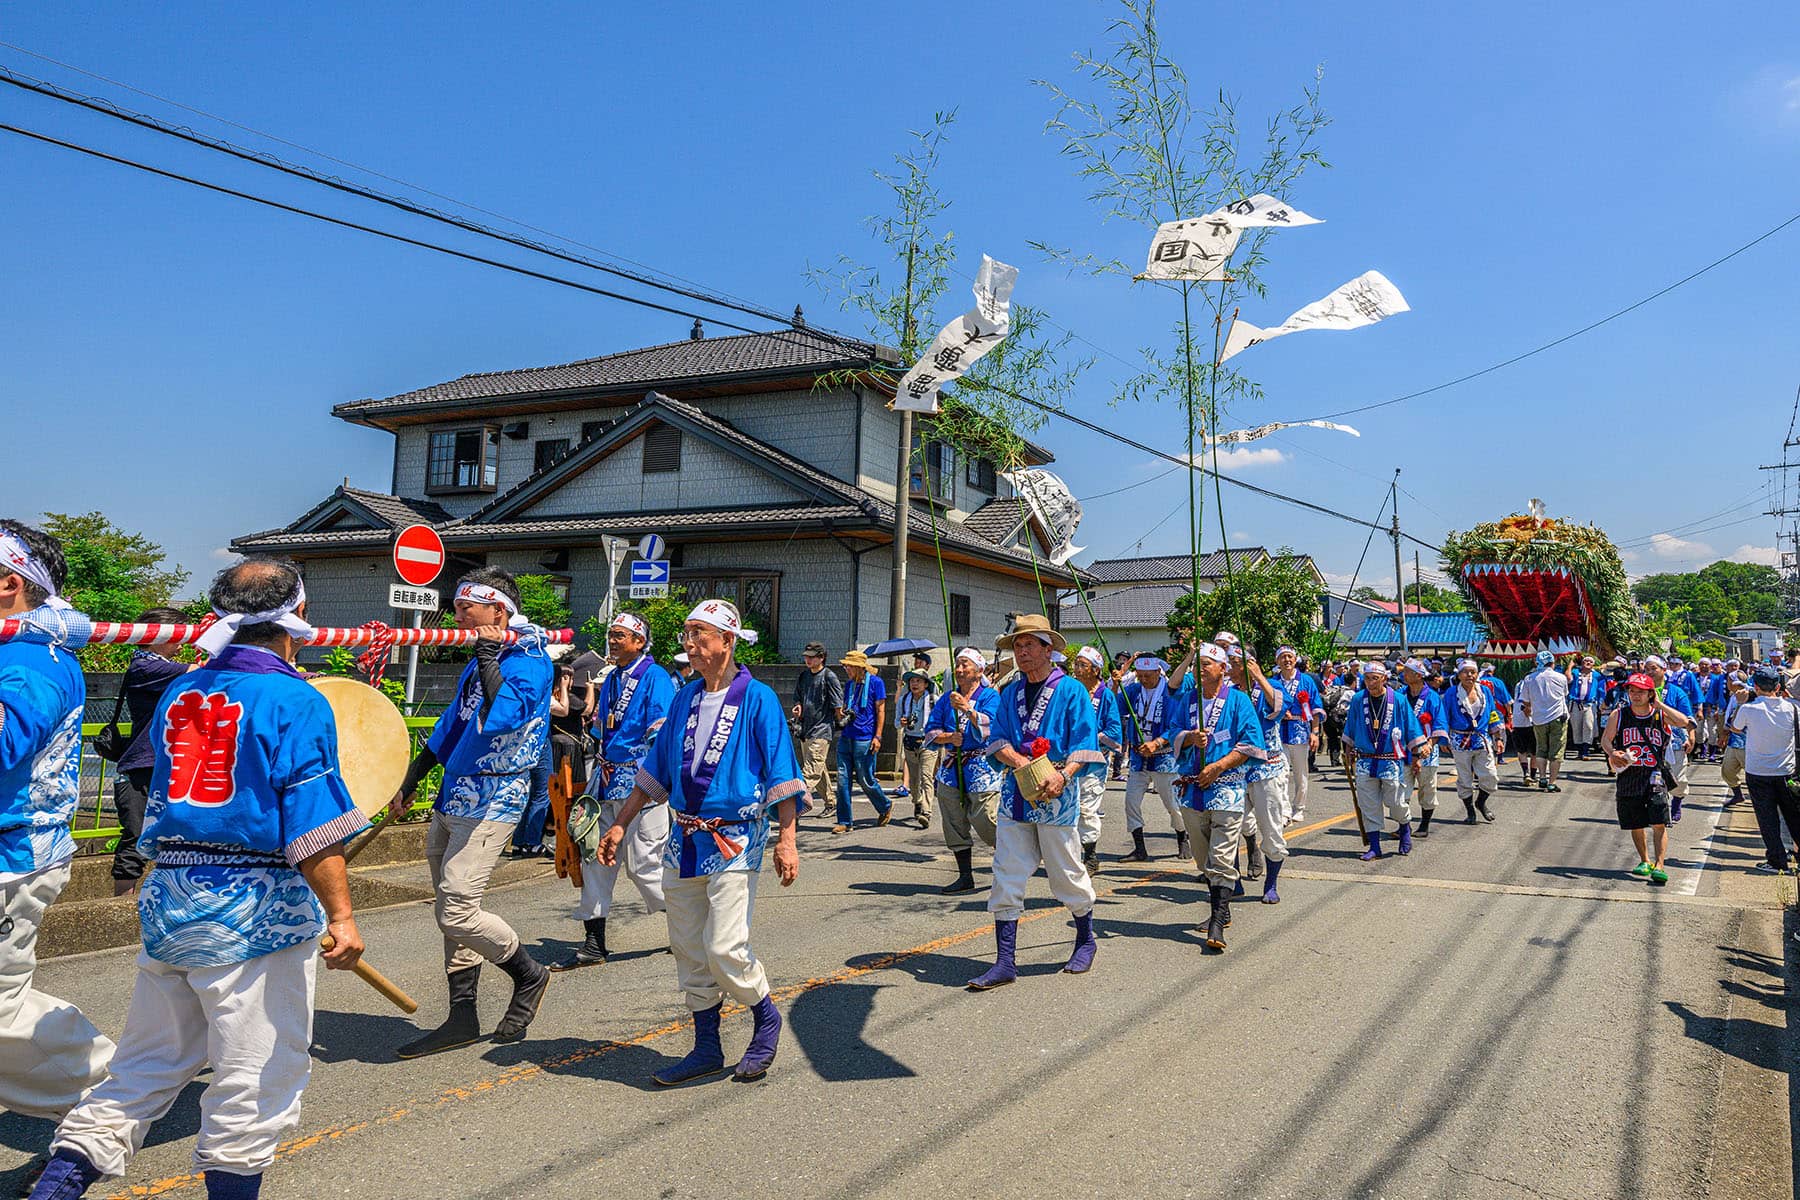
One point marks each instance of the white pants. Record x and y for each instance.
(1019, 846)
(1267, 803)
(251, 1022)
(1374, 795)
(1475, 769)
(1677, 758)
(709, 932)
(1583, 725)
(1164, 783)
(1296, 756)
(1093, 795)
(640, 854)
(1424, 789)
(49, 1053)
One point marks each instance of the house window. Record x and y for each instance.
(758, 597)
(959, 615)
(935, 466)
(593, 429)
(980, 475)
(462, 460)
(662, 450)
(547, 451)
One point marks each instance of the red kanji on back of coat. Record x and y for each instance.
(200, 734)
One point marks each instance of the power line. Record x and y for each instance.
(643, 303)
(1550, 345)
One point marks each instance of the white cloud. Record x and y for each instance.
(1789, 94)
(224, 554)
(1244, 457)
(1665, 545)
(1768, 556)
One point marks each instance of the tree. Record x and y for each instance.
(1433, 598)
(1150, 156)
(1268, 605)
(540, 602)
(665, 615)
(1365, 594)
(113, 574)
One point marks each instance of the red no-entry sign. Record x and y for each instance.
(418, 554)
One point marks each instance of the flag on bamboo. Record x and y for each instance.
(1237, 436)
(962, 341)
(1195, 249)
(1055, 507)
(1264, 210)
(1363, 301)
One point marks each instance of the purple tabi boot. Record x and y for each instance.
(1374, 850)
(1270, 896)
(760, 1055)
(1405, 837)
(707, 1056)
(1083, 957)
(1006, 940)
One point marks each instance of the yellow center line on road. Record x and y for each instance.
(531, 1070)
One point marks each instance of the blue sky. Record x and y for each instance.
(170, 357)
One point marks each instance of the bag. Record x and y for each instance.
(111, 743)
(584, 827)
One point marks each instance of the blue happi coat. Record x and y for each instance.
(1146, 716)
(1428, 710)
(1380, 750)
(1211, 730)
(633, 703)
(1465, 732)
(1064, 717)
(41, 697)
(1303, 699)
(244, 787)
(756, 771)
(1677, 698)
(1586, 687)
(488, 759)
(968, 769)
(1271, 763)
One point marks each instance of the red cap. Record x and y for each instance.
(1641, 680)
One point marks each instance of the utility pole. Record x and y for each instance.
(1418, 576)
(903, 476)
(1399, 571)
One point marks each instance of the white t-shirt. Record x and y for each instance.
(711, 704)
(1546, 690)
(1768, 725)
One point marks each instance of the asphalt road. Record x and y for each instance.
(1504, 1013)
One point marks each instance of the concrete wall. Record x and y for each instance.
(349, 591)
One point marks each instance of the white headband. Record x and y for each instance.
(632, 623)
(1287, 650)
(1150, 663)
(219, 634)
(1380, 668)
(973, 655)
(1211, 650)
(1092, 657)
(1057, 656)
(1417, 667)
(16, 557)
(1226, 638)
(721, 614)
(1465, 664)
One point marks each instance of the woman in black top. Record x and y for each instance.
(150, 671)
(1636, 739)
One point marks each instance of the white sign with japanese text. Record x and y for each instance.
(1363, 301)
(1194, 249)
(424, 599)
(962, 341)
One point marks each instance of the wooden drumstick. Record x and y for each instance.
(377, 980)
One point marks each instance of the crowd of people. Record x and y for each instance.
(688, 780)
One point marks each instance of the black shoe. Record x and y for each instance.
(460, 1028)
(1138, 852)
(1424, 829)
(592, 951)
(1215, 924)
(965, 875)
(1090, 857)
(529, 981)
(1481, 799)
(1254, 868)
(1469, 817)
(1181, 845)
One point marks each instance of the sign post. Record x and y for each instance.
(649, 578)
(418, 558)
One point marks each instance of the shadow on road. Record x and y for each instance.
(829, 1024)
(627, 1063)
(360, 1037)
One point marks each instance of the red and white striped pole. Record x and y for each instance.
(124, 633)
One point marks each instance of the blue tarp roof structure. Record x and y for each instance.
(1422, 629)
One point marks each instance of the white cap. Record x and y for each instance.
(1211, 650)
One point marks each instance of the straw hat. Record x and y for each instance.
(854, 658)
(1032, 623)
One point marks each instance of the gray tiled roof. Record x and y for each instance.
(997, 518)
(788, 349)
(398, 510)
(1168, 568)
(1144, 605)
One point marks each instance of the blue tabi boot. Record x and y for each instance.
(67, 1175)
(1374, 850)
(760, 1055)
(707, 1057)
(1083, 958)
(1006, 941)
(1269, 894)
(223, 1185)
(1405, 837)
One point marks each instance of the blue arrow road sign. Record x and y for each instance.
(655, 570)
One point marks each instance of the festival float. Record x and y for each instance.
(1536, 583)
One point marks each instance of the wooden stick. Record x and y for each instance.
(1347, 756)
(377, 980)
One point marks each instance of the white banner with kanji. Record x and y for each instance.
(1363, 301)
(960, 343)
(1055, 507)
(1236, 437)
(1265, 211)
(1195, 249)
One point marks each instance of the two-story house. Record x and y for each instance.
(769, 489)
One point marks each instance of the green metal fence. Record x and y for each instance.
(96, 823)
